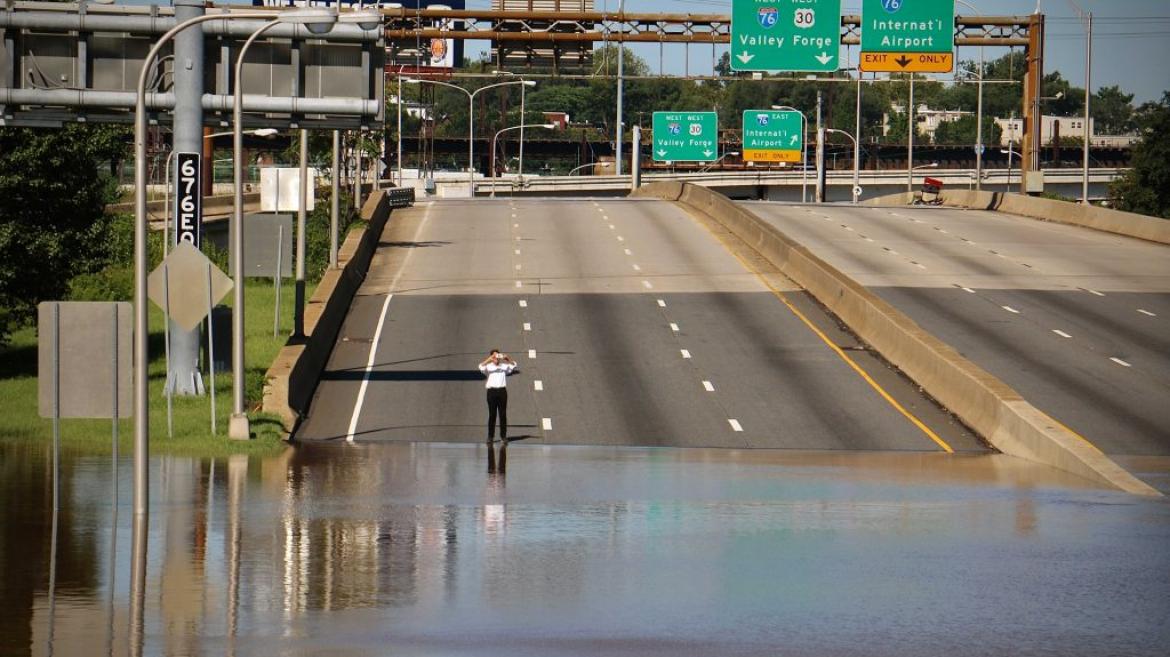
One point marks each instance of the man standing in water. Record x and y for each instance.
(497, 367)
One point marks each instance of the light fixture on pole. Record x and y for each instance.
(546, 126)
(803, 149)
(979, 147)
(856, 191)
(470, 118)
(141, 325)
(1087, 17)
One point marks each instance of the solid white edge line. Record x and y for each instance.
(546, 423)
(735, 425)
(708, 387)
(361, 396)
(1120, 362)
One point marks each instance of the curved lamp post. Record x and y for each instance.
(718, 160)
(470, 118)
(803, 149)
(856, 162)
(547, 126)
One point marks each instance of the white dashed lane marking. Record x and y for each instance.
(519, 284)
(523, 303)
(674, 327)
(637, 268)
(1120, 362)
(538, 385)
(532, 353)
(661, 303)
(546, 423)
(1148, 313)
(735, 426)
(1093, 292)
(527, 326)
(708, 387)
(647, 285)
(685, 353)
(1061, 333)
(629, 252)
(1010, 310)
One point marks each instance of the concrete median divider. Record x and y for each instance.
(292, 379)
(1152, 229)
(986, 404)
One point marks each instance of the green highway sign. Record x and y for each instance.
(686, 136)
(785, 35)
(907, 36)
(773, 136)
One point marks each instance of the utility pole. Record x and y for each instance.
(1088, 97)
(184, 377)
(820, 193)
(620, 81)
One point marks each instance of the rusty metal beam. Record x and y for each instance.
(550, 27)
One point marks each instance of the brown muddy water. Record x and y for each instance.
(428, 549)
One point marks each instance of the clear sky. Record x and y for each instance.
(1131, 44)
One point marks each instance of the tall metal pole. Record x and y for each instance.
(1088, 96)
(238, 426)
(620, 86)
(521, 165)
(857, 143)
(820, 189)
(302, 212)
(335, 199)
(979, 147)
(636, 158)
(471, 144)
(184, 377)
(399, 131)
(910, 139)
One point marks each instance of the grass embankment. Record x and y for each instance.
(19, 419)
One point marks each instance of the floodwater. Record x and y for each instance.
(426, 549)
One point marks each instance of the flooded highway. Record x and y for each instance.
(441, 549)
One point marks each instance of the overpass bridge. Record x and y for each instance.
(636, 322)
(771, 185)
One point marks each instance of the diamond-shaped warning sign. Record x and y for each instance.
(180, 285)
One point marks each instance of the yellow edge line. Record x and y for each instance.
(845, 357)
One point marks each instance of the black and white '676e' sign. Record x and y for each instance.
(188, 199)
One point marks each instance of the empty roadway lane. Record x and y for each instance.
(1072, 318)
(632, 325)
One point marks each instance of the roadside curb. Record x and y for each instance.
(1151, 229)
(292, 379)
(989, 406)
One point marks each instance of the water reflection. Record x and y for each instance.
(369, 548)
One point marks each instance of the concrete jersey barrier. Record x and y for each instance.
(989, 406)
(292, 379)
(1152, 229)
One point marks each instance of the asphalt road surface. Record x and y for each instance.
(1074, 319)
(632, 324)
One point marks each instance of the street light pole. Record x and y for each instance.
(803, 149)
(471, 118)
(547, 126)
(979, 148)
(856, 162)
(141, 325)
(910, 139)
(620, 86)
(1088, 98)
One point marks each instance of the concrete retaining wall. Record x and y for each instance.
(292, 379)
(983, 402)
(1140, 226)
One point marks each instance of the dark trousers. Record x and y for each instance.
(497, 401)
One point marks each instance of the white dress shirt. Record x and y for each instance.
(497, 375)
